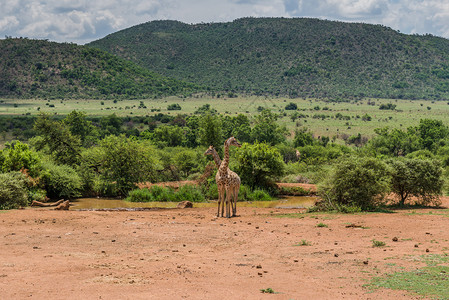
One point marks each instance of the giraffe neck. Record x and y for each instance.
(216, 158)
(225, 163)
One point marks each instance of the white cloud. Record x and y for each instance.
(85, 20)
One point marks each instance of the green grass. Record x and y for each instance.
(304, 243)
(409, 112)
(378, 243)
(430, 281)
(322, 225)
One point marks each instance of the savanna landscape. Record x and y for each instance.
(351, 117)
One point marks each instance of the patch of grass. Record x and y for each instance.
(427, 282)
(378, 243)
(304, 243)
(435, 259)
(322, 225)
(292, 216)
(268, 291)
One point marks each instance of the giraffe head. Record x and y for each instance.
(210, 150)
(232, 142)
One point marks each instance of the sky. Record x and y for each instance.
(82, 21)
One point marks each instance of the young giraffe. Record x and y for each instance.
(220, 183)
(230, 182)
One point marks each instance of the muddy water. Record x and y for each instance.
(100, 203)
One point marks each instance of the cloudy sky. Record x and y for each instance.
(81, 21)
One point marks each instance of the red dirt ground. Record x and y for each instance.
(191, 254)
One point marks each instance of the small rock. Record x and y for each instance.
(427, 250)
(260, 273)
(416, 245)
(184, 204)
(259, 266)
(336, 255)
(395, 239)
(365, 262)
(113, 241)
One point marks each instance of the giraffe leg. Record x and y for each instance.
(220, 200)
(228, 202)
(236, 196)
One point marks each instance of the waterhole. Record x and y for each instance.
(101, 203)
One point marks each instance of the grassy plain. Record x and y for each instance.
(318, 115)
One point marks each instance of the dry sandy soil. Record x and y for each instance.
(189, 253)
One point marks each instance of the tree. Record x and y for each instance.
(291, 106)
(62, 144)
(79, 125)
(167, 135)
(419, 178)
(356, 181)
(126, 162)
(267, 130)
(259, 164)
(431, 133)
(17, 156)
(303, 137)
(210, 131)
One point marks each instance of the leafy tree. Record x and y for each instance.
(356, 181)
(431, 133)
(210, 131)
(61, 181)
(13, 190)
(17, 156)
(126, 162)
(110, 124)
(62, 144)
(394, 142)
(267, 130)
(291, 106)
(417, 178)
(174, 106)
(167, 135)
(79, 125)
(259, 164)
(303, 137)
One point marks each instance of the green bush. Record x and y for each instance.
(189, 193)
(418, 178)
(61, 181)
(356, 182)
(13, 190)
(160, 194)
(260, 195)
(139, 195)
(259, 165)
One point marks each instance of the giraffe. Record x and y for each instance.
(221, 181)
(230, 182)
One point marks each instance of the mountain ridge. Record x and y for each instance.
(296, 57)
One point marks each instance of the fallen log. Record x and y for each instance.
(63, 206)
(38, 203)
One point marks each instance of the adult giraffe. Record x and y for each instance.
(221, 183)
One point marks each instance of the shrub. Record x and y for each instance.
(139, 195)
(259, 164)
(61, 181)
(356, 181)
(291, 106)
(13, 190)
(419, 178)
(161, 194)
(189, 193)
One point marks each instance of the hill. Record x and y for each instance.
(42, 69)
(295, 57)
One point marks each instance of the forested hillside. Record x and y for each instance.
(42, 69)
(295, 57)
